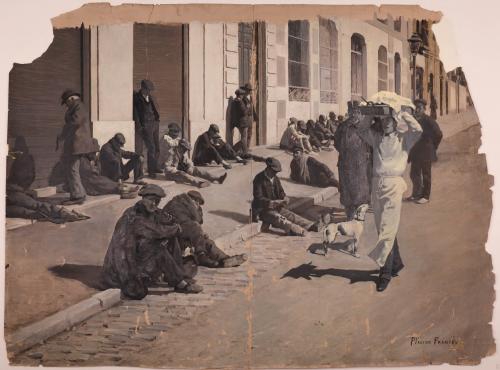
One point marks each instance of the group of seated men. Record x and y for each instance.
(148, 245)
(311, 136)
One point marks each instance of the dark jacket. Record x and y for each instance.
(76, 131)
(140, 107)
(204, 150)
(354, 165)
(243, 113)
(184, 209)
(264, 191)
(110, 159)
(317, 173)
(136, 250)
(426, 147)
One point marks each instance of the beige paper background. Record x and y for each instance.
(467, 36)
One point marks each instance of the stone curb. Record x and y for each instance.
(33, 334)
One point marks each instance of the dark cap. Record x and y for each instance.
(68, 93)
(332, 113)
(239, 92)
(247, 87)
(152, 189)
(95, 145)
(185, 144)
(302, 124)
(213, 127)
(147, 84)
(322, 117)
(120, 138)
(193, 194)
(420, 101)
(174, 127)
(273, 164)
(293, 120)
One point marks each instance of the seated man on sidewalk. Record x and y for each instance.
(210, 147)
(179, 168)
(186, 211)
(294, 135)
(111, 160)
(270, 204)
(144, 247)
(96, 184)
(305, 169)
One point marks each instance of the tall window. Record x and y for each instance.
(397, 74)
(328, 61)
(298, 60)
(382, 68)
(397, 24)
(357, 67)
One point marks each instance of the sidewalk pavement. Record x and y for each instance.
(65, 259)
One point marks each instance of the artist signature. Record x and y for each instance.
(452, 341)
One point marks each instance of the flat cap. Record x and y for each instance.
(185, 144)
(152, 189)
(248, 87)
(174, 127)
(213, 127)
(196, 196)
(147, 84)
(68, 93)
(273, 164)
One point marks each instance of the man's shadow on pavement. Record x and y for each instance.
(308, 271)
(238, 217)
(89, 275)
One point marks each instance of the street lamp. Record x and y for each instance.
(415, 43)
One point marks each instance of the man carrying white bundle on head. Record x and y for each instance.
(391, 138)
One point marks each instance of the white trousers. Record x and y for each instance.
(387, 198)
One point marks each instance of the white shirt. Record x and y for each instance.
(390, 151)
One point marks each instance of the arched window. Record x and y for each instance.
(358, 67)
(328, 61)
(382, 68)
(397, 73)
(298, 60)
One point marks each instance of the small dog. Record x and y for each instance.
(353, 229)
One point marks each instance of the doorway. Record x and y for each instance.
(252, 70)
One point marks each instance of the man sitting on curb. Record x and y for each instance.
(270, 204)
(144, 247)
(305, 169)
(210, 147)
(111, 160)
(179, 168)
(186, 211)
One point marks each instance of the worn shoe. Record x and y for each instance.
(189, 288)
(204, 260)
(234, 261)
(296, 230)
(226, 165)
(222, 178)
(264, 227)
(203, 184)
(70, 201)
(140, 182)
(241, 160)
(152, 175)
(382, 284)
(422, 201)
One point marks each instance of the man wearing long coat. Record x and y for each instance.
(111, 160)
(423, 154)
(187, 212)
(354, 164)
(147, 126)
(77, 139)
(144, 247)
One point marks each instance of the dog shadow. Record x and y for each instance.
(308, 271)
(318, 248)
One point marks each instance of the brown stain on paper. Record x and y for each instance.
(104, 13)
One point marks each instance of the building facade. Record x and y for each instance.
(302, 68)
